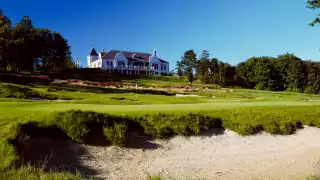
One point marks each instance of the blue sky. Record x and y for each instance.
(232, 30)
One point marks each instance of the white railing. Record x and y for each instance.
(127, 67)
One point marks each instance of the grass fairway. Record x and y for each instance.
(241, 110)
(218, 102)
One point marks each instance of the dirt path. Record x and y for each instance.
(226, 156)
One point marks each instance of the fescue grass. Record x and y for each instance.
(153, 177)
(31, 173)
(116, 133)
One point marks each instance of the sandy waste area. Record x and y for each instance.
(226, 156)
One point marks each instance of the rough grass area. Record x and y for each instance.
(153, 178)
(80, 126)
(23, 92)
(31, 173)
(157, 81)
(55, 133)
(105, 129)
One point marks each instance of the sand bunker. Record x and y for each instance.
(187, 95)
(227, 156)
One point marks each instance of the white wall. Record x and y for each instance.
(91, 59)
(167, 67)
(120, 57)
(155, 60)
(105, 63)
(94, 62)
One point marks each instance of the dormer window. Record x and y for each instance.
(134, 56)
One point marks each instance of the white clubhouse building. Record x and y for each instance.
(127, 62)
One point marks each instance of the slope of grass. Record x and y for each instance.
(24, 92)
(157, 81)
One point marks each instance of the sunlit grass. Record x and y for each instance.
(240, 110)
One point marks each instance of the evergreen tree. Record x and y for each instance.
(204, 54)
(189, 62)
(203, 70)
(5, 40)
(314, 4)
(23, 40)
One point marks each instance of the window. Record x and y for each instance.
(154, 66)
(107, 63)
(111, 63)
(164, 67)
(121, 63)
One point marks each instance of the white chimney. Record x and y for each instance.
(154, 53)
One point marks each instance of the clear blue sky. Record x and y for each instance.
(232, 30)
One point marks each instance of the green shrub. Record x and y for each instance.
(76, 123)
(116, 134)
(185, 125)
(311, 124)
(165, 125)
(288, 128)
(250, 129)
(20, 95)
(7, 155)
(272, 127)
(157, 125)
(260, 86)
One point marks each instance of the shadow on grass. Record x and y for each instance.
(213, 132)
(101, 90)
(51, 149)
(55, 147)
(23, 79)
(141, 142)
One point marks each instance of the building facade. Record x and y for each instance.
(126, 62)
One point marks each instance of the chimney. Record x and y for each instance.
(102, 49)
(154, 53)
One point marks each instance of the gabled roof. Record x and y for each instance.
(93, 52)
(142, 56)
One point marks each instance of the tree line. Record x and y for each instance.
(284, 72)
(26, 48)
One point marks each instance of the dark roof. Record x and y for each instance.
(163, 61)
(93, 52)
(103, 53)
(142, 56)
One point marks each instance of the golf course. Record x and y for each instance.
(165, 108)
